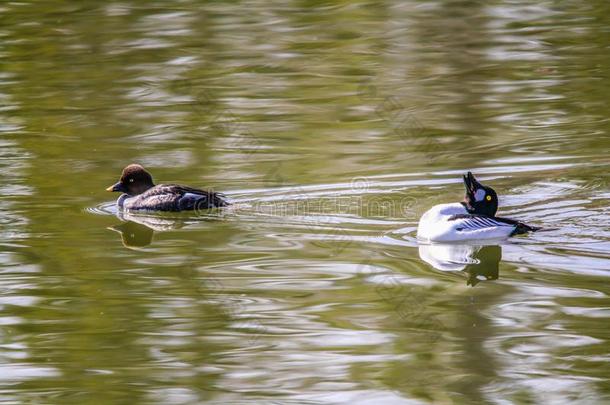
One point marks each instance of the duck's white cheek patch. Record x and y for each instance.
(479, 194)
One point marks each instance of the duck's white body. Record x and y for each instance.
(442, 223)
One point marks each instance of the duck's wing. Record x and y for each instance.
(174, 197)
(482, 224)
(154, 199)
(193, 198)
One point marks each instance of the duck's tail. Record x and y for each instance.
(219, 200)
(522, 228)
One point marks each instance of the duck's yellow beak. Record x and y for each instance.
(116, 187)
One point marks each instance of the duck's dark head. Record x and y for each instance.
(479, 199)
(134, 180)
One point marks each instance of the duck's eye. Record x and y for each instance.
(131, 180)
(488, 198)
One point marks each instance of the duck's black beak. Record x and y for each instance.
(117, 187)
(471, 183)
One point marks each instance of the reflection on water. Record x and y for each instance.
(333, 126)
(138, 227)
(479, 262)
(134, 234)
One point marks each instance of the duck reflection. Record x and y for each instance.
(481, 263)
(138, 230)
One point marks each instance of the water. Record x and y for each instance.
(333, 127)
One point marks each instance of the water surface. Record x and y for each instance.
(332, 126)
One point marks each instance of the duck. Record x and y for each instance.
(140, 193)
(472, 219)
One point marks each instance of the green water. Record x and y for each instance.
(332, 126)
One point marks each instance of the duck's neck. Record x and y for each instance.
(141, 188)
(467, 207)
(121, 200)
